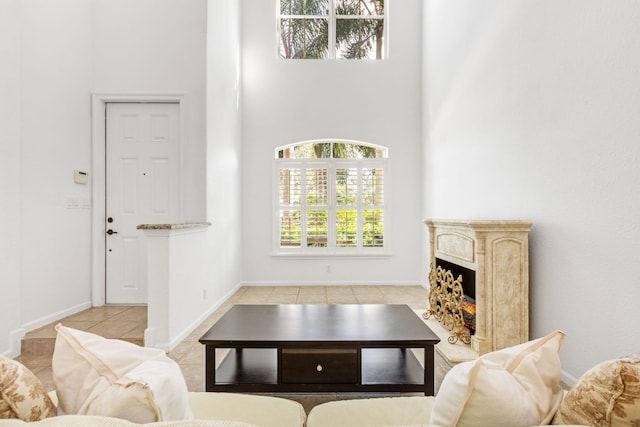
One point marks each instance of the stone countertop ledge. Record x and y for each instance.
(181, 226)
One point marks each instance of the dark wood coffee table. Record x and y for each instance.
(320, 348)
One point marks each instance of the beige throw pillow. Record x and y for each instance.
(108, 377)
(22, 395)
(516, 386)
(606, 395)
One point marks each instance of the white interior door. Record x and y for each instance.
(142, 187)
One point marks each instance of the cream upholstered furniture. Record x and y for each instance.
(209, 410)
(98, 421)
(514, 387)
(265, 411)
(102, 382)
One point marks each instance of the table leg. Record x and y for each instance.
(429, 377)
(359, 366)
(210, 367)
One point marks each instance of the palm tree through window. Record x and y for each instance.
(343, 29)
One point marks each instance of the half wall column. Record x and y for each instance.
(175, 274)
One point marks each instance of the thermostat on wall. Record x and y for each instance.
(80, 177)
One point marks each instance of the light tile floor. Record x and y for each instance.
(129, 323)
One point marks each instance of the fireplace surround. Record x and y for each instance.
(498, 252)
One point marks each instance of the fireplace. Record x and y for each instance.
(491, 261)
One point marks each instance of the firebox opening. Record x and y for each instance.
(468, 276)
(469, 289)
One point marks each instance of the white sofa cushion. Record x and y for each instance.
(374, 412)
(266, 411)
(114, 378)
(98, 421)
(516, 386)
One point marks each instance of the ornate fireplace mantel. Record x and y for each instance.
(498, 253)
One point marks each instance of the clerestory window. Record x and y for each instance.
(342, 29)
(330, 198)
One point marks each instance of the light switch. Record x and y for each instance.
(80, 177)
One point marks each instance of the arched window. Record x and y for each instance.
(330, 198)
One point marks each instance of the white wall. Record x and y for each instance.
(531, 111)
(55, 72)
(289, 101)
(223, 148)
(57, 54)
(10, 39)
(45, 257)
(159, 47)
(178, 285)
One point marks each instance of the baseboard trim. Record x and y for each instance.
(35, 324)
(150, 334)
(340, 283)
(16, 336)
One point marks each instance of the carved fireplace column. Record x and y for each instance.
(479, 339)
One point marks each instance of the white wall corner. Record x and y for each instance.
(15, 343)
(180, 337)
(150, 337)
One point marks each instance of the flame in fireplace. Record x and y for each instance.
(468, 308)
(469, 305)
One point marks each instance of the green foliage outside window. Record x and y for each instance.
(353, 214)
(326, 150)
(308, 29)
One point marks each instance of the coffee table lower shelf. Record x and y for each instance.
(257, 370)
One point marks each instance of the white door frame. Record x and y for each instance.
(98, 181)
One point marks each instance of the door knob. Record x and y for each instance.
(110, 232)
